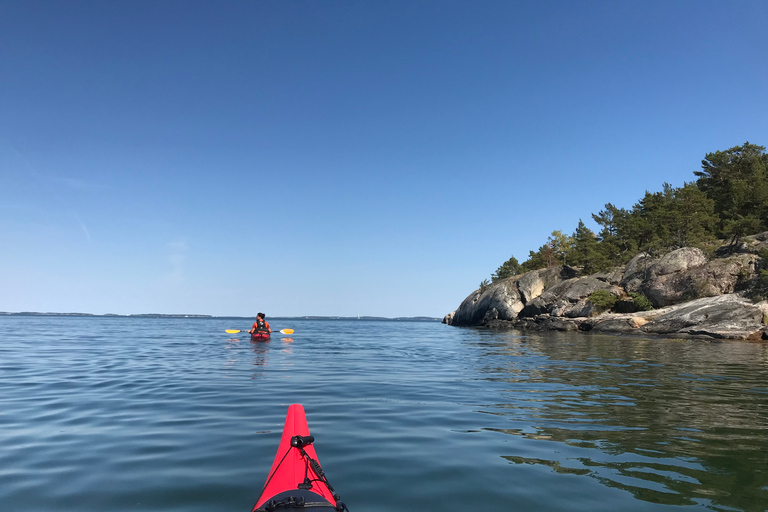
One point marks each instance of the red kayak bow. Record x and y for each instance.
(296, 480)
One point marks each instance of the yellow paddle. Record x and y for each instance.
(235, 331)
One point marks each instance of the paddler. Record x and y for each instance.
(260, 325)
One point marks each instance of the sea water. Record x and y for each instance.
(170, 414)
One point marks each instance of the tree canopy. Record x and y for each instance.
(728, 200)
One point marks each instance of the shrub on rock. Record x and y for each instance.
(603, 299)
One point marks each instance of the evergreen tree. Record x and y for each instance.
(694, 220)
(587, 251)
(616, 242)
(737, 181)
(536, 260)
(509, 268)
(730, 198)
(649, 224)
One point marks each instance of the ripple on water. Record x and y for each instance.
(173, 414)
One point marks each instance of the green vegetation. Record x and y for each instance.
(760, 289)
(603, 299)
(508, 269)
(642, 302)
(728, 200)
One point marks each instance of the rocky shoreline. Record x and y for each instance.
(693, 296)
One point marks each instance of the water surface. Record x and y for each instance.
(149, 414)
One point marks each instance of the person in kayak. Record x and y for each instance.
(260, 326)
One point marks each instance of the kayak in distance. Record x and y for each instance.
(260, 336)
(296, 480)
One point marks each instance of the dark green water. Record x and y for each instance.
(126, 414)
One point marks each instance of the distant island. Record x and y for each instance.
(141, 315)
(161, 315)
(376, 318)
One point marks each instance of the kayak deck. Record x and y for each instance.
(296, 479)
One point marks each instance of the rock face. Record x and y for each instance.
(725, 317)
(636, 271)
(501, 297)
(694, 296)
(702, 279)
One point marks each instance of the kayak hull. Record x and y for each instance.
(292, 477)
(260, 336)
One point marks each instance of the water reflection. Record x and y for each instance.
(672, 422)
(260, 348)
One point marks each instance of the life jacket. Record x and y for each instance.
(261, 325)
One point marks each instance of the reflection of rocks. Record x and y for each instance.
(696, 296)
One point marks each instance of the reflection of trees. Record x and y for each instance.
(672, 422)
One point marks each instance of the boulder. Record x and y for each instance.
(532, 284)
(725, 316)
(724, 275)
(617, 323)
(669, 289)
(559, 307)
(665, 282)
(583, 308)
(636, 271)
(678, 261)
(544, 323)
(448, 319)
(491, 314)
(508, 296)
(537, 306)
(501, 296)
(716, 277)
(613, 276)
(573, 290)
(763, 307)
(550, 323)
(499, 324)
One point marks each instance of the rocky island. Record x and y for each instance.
(679, 263)
(692, 295)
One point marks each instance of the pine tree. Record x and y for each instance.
(737, 181)
(587, 251)
(509, 268)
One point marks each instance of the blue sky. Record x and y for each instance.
(337, 157)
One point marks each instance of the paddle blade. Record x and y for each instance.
(286, 331)
(232, 331)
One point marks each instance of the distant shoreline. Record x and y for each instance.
(161, 315)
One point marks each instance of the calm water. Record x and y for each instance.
(125, 414)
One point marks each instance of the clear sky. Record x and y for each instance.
(342, 157)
